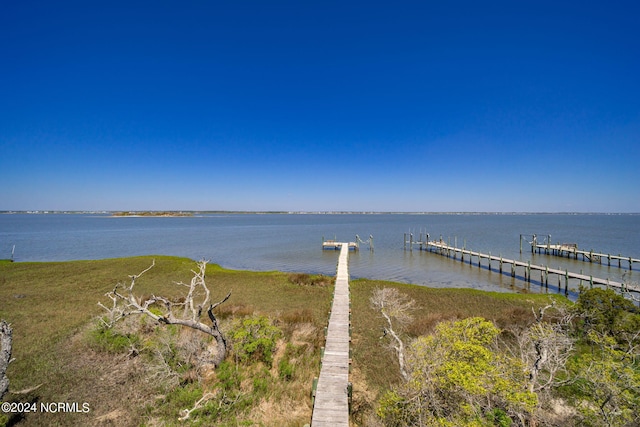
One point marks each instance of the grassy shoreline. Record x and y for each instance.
(51, 305)
(151, 214)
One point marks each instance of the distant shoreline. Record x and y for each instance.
(150, 214)
(194, 213)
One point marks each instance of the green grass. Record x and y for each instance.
(48, 302)
(52, 308)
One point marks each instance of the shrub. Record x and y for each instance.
(457, 377)
(184, 397)
(109, 340)
(285, 370)
(255, 339)
(499, 418)
(229, 376)
(394, 410)
(604, 311)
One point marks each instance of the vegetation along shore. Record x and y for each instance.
(461, 357)
(151, 213)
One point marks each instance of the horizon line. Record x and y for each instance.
(303, 212)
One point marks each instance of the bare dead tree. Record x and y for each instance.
(6, 342)
(125, 303)
(394, 306)
(630, 288)
(545, 347)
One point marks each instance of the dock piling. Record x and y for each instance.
(546, 276)
(521, 243)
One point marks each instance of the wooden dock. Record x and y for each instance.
(332, 392)
(442, 248)
(333, 245)
(569, 249)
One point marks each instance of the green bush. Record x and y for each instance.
(394, 410)
(285, 370)
(499, 418)
(459, 378)
(604, 313)
(185, 396)
(107, 339)
(255, 340)
(229, 376)
(286, 367)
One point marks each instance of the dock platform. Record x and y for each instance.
(331, 396)
(333, 245)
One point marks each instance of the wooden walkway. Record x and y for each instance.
(331, 403)
(444, 249)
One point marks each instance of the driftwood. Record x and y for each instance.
(125, 303)
(6, 341)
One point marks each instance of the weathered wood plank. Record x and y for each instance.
(331, 407)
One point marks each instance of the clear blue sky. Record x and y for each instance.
(327, 105)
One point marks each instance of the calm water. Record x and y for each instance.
(293, 242)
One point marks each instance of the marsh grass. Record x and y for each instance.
(304, 279)
(53, 310)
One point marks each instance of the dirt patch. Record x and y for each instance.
(115, 386)
(111, 417)
(112, 385)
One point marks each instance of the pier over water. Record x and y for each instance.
(568, 249)
(331, 402)
(442, 248)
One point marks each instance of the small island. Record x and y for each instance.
(151, 214)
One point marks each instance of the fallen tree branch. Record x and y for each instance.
(187, 412)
